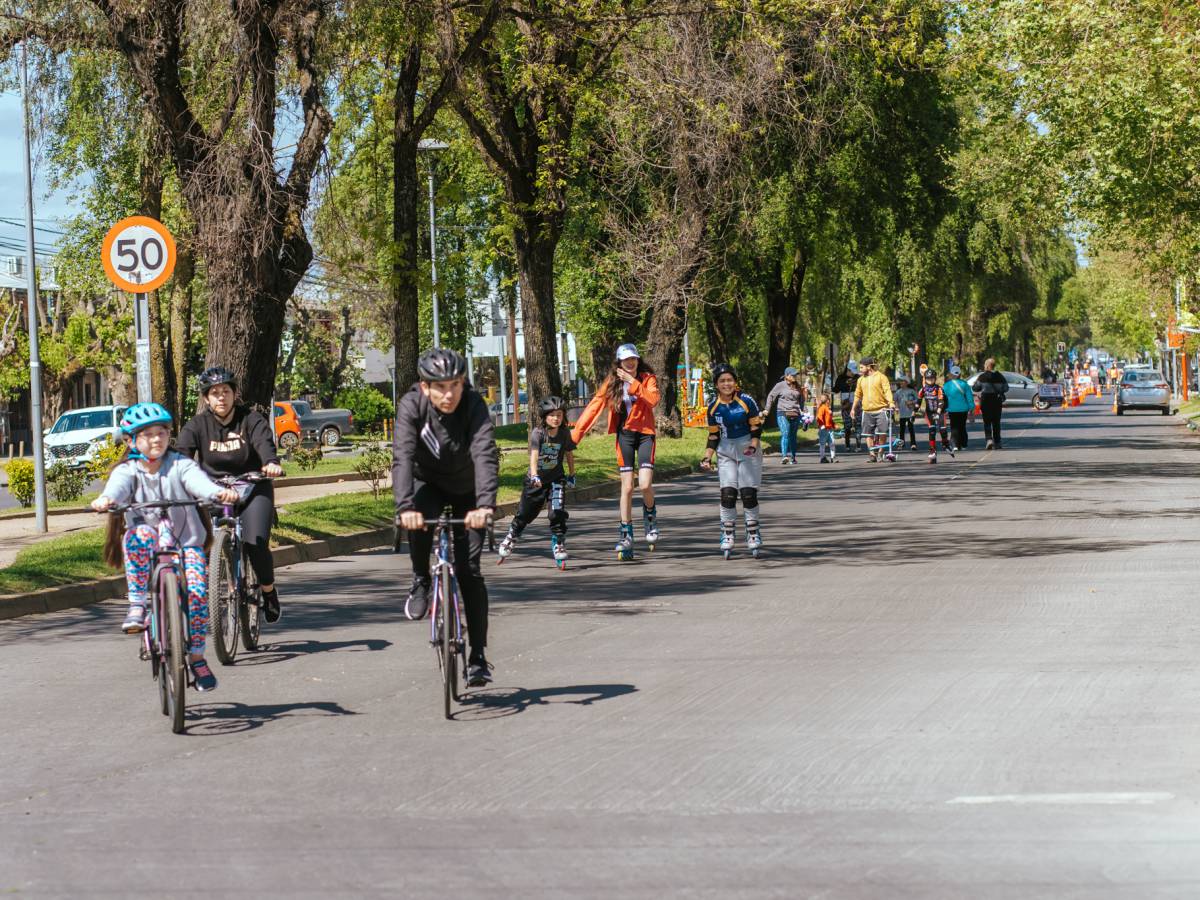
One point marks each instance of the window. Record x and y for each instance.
(83, 421)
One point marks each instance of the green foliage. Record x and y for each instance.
(21, 480)
(374, 463)
(369, 406)
(104, 457)
(305, 458)
(65, 483)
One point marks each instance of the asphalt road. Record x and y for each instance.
(978, 678)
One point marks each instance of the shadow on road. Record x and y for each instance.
(273, 653)
(496, 702)
(208, 719)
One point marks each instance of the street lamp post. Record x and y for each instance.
(35, 363)
(432, 145)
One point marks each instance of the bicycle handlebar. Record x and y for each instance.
(149, 504)
(247, 478)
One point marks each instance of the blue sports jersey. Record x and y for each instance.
(735, 419)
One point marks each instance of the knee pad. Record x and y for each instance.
(729, 497)
(749, 498)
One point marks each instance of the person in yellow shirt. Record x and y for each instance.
(873, 398)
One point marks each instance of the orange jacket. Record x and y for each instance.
(641, 415)
(825, 417)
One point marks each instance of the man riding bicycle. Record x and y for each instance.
(444, 454)
(230, 438)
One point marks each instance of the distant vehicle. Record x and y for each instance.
(296, 420)
(77, 434)
(495, 408)
(1143, 389)
(1020, 388)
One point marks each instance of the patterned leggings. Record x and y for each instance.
(139, 553)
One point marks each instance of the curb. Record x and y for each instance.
(85, 593)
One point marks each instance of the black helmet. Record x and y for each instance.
(552, 404)
(215, 375)
(723, 369)
(440, 364)
(930, 374)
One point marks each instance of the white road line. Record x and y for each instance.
(1112, 798)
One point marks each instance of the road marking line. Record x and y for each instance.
(1112, 798)
(987, 453)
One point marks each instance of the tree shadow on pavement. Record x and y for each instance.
(209, 719)
(498, 702)
(273, 653)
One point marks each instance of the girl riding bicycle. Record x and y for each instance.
(153, 471)
(630, 394)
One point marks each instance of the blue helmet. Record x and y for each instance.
(140, 415)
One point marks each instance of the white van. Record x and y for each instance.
(77, 433)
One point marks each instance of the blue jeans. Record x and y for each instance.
(787, 435)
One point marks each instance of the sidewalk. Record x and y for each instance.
(19, 533)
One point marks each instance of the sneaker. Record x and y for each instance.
(932, 458)
(989, 446)
(785, 461)
(270, 601)
(914, 447)
(417, 603)
(135, 619)
(793, 460)
(479, 671)
(205, 679)
(824, 460)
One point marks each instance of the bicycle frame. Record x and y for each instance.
(443, 567)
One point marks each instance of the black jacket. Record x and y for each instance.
(455, 452)
(990, 386)
(244, 445)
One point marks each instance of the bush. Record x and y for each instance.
(104, 458)
(66, 483)
(374, 463)
(305, 458)
(21, 481)
(369, 406)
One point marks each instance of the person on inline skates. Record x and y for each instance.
(734, 433)
(444, 454)
(629, 393)
(933, 398)
(550, 445)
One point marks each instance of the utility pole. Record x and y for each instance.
(35, 362)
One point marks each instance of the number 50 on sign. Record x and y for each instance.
(138, 254)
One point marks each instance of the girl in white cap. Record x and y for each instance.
(630, 393)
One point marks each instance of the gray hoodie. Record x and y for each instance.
(787, 400)
(179, 478)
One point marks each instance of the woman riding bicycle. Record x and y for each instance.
(229, 438)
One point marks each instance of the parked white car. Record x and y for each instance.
(76, 435)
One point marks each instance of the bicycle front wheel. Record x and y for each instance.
(250, 604)
(223, 601)
(447, 647)
(175, 649)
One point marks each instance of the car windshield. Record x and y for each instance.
(1143, 375)
(83, 421)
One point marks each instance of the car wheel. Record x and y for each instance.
(1166, 411)
(330, 436)
(1120, 410)
(288, 440)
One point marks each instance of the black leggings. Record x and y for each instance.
(533, 498)
(430, 500)
(912, 434)
(257, 515)
(958, 427)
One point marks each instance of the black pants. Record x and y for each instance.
(533, 498)
(430, 500)
(990, 410)
(257, 515)
(912, 434)
(958, 428)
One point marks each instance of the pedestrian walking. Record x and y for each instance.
(906, 405)
(959, 403)
(845, 387)
(825, 442)
(786, 402)
(991, 387)
(873, 398)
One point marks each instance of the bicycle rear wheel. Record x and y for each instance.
(223, 597)
(250, 604)
(175, 647)
(447, 646)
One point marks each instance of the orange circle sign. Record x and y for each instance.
(138, 254)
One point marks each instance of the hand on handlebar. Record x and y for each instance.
(272, 470)
(478, 518)
(102, 503)
(412, 520)
(228, 496)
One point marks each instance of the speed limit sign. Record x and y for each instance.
(138, 254)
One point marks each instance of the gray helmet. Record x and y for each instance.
(440, 364)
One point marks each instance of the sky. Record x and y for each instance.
(48, 209)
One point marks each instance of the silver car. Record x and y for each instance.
(1143, 389)
(1020, 388)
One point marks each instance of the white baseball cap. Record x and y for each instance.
(626, 351)
(955, 370)
(852, 366)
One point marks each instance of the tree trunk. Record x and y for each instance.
(245, 323)
(783, 306)
(406, 335)
(535, 245)
(714, 327)
(664, 347)
(181, 322)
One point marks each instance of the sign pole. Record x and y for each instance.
(141, 324)
(31, 289)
